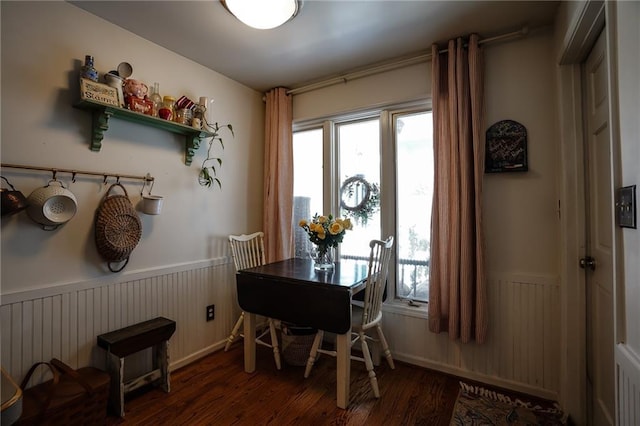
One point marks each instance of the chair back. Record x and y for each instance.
(247, 250)
(379, 259)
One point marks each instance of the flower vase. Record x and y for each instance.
(322, 258)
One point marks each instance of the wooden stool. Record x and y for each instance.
(126, 341)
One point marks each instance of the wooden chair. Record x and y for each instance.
(247, 252)
(367, 317)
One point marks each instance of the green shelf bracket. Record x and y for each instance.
(101, 113)
(192, 144)
(99, 125)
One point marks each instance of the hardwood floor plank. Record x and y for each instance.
(215, 390)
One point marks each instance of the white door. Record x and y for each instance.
(599, 261)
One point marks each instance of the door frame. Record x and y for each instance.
(587, 23)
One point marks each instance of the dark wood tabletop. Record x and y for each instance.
(291, 290)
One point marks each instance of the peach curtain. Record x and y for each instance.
(278, 176)
(457, 283)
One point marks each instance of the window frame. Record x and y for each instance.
(388, 176)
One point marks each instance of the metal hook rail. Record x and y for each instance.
(118, 176)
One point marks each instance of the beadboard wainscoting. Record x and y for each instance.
(64, 321)
(522, 351)
(628, 372)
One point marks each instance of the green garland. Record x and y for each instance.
(368, 206)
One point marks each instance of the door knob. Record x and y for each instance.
(588, 262)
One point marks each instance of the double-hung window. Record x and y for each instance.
(375, 167)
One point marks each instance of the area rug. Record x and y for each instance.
(480, 406)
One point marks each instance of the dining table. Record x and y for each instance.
(292, 290)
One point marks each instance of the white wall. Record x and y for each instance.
(57, 294)
(43, 46)
(400, 85)
(520, 213)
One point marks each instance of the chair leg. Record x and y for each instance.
(385, 347)
(314, 352)
(274, 343)
(368, 362)
(234, 332)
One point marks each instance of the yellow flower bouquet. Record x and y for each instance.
(325, 232)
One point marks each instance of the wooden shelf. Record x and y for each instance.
(100, 124)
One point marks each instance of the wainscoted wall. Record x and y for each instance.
(64, 321)
(521, 351)
(628, 372)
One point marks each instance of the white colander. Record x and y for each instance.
(52, 205)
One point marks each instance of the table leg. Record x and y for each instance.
(343, 354)
(249, 342)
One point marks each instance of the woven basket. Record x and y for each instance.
(117, 228)
(72, 397)
(296, 343)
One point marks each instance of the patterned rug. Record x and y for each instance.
(479, 406)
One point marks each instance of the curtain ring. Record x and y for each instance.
(151, 187)
(54, 172)
(73, 177)
(105, 179)
(118, 180)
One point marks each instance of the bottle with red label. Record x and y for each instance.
(167, 111)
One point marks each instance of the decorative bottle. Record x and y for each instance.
(156, 99)
(88, 71)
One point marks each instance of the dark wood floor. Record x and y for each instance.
(216, 391)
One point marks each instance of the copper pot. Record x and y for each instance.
(13, 201)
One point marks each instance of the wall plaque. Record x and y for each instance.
(506, 147)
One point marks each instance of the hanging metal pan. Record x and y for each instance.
(52, 205)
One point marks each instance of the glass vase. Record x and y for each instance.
(322, 257)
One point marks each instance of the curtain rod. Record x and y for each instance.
(146, 178)
(393, 65)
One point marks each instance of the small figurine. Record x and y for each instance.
(135, 88)
(135, 93)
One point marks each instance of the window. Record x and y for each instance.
(414, 195)
(358, 157)
(391, 151)
(307, 183)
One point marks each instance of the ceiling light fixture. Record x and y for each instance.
(263, 14)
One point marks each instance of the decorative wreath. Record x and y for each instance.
(366, 206)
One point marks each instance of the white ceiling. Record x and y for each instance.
(326, 39)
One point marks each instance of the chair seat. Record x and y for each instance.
(356, 319)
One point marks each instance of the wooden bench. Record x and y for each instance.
(154, 333)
